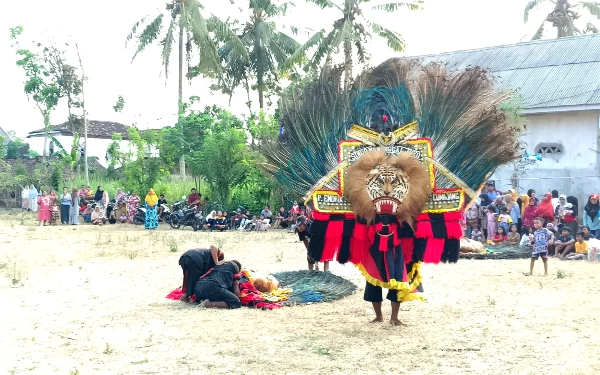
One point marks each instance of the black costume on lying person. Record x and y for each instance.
(195, 263)
(220, 286)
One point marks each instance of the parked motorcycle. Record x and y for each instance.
(166, 214)
(185, 217)
(140, 216)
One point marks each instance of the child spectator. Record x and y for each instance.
(476, 234)
(527, 238)
(581, 248)
(491, 221)
(500, 236)
(504, 219)
(564, 244)
(262, 224)
(539, 243)
(587, 234)
(513, 237)
(98, 217)
(267, 213)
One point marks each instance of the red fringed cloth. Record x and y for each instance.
(439, 237)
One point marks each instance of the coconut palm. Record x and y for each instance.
(265, 49)
(194, 26)
(351, 32)
(564, 15)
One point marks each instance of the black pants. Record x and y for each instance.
(64, 213)
(212, 291)
(375, 294)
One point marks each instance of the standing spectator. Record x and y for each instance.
(65, 206)
(539, 243)
(55, 210)
(132, 205)
(194, 199)
(151, 214)
(105, 200)
(491, 221)
(490, 191)
(44, 213)
(499, 203)
(531, 194)
(559, 209)
(555, 198)
(513, 209)
(25, 198)
(33, 198)
(267, 213)
(484, 202)
(74, 209)
(529, 216)
(472, 217)
(591, 218)
(545, 210)
(571, 214)
(523, 202)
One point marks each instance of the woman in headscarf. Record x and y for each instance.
(513, 194)
(25, 198)
(545, 210)
(44, 214)
(65, 206)
(98, 195)
(55, 210)
(531, 194)
(529, 215)
(571, 213)
(513, 209)
(591, 218)
(105, 200)
(151, 213)
(33, 198)
(74, 210)
(121, 204)
(210, 220)
(473, 217)
(132, 205)
(555, 198)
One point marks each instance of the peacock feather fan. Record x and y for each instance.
(461, 112)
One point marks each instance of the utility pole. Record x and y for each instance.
(85, 124)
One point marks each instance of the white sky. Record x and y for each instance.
(100, 29)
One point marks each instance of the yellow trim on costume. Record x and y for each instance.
(404, 289)
(372, 137)
(461, 201)
(452, 177)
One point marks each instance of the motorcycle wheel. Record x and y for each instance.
(137, 220)
(174, 222)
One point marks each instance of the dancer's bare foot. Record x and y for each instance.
(378, 319)
(396, 322)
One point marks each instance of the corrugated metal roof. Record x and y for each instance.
(6, 136)
(546, 73)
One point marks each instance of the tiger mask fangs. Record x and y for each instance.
(378, 184)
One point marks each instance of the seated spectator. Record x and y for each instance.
(112, 217)
(246, 221)
(587, 234)
(280, 219)
(87, 214)
(210, 220)
(219, 223)
(295, 210)
(476, 234)
(227, 219)
(219, 288)
(527, 238)
(237, 219)
(564, 244)
(161, 203)
(262, 224)
(513, 237)
(581, 248)
(500, 236)
(98, 217)
(267, 213)
(251, 224)
(194, 198)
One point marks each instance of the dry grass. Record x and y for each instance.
(87, 307)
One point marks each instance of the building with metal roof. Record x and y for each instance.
(559, 83)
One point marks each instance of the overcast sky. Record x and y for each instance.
(100, 28)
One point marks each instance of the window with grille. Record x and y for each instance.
(549, 149)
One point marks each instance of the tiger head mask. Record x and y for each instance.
(378, 184)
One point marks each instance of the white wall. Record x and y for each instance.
(96, 147)
(577, 171)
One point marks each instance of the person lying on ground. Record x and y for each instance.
(581, 248)
(98, 217)
(564, 244)
(194, 264)
(219, 288)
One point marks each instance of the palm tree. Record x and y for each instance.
(194, 31)
(351, 30)
(264, 50)
(564, 15)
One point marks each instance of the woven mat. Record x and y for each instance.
(501, 252)
(312, 286)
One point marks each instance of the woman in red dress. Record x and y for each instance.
(45, 205)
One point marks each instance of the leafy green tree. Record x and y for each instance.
(564, 15)
(120, 104)
(2, 147)
(224, 158)
(42, 83)
(265, 49)
(351, 33)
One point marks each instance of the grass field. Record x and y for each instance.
(90, 300)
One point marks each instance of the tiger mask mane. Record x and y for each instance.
(380, 184)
